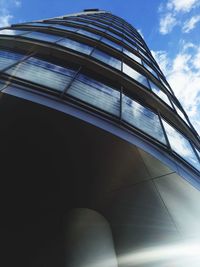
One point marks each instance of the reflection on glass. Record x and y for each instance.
(80, 47)
(43, 73)
(130, 44)
(96, 94)
(77, 21)
(144, 55)
(8, 58)
(131, 55)
(66, 28)
(2, 84)
(96, 27)
(181, 145)
(160, 93)
(111, 43)
(180, 113)
(104, 57)
(114, 35)
(39, 24)
(135, 75)
(42, 36)
(198, 152)
(89, 34)
(150, 69)
(12, 32)
(142, 118)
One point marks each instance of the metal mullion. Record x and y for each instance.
(96, 46)
(20, 61)
(120, 111)
(61, 38)
(69, 84)
(165, 134)
(119, 34)
(195, 152)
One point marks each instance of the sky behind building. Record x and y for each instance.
(171, 29)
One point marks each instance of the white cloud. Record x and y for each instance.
(5, 19)
(196, 60)
(5, 11)
(182, 5)
(17, 3)
(190, 24)
(172, 14)
(167, 23)
(183, 74)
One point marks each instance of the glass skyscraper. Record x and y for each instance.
(100, 162)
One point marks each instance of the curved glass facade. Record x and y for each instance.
(98, 64)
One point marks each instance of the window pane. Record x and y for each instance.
(135, 75)
(43, 36)
(116, 63)
(96, 94)
(62, 27)
(12, 32)
(37, 24)
(198, 152)
(89, 34)
(96, 27)
(111, 43)
(114, 35)
(130, 44)
(43, 73)
(131, 55)
(181, 145)
(180, 113)
(144, 55)
(8, 58)
(83, 48)
(142, 118)
(160, 93)
(150, 69)
(2, 84)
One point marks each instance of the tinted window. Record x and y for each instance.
(12, 32)
(42, 73)
(96, 93)
(89, 34)
(131, 55)
(181, 145)
(62, 27)
(111, 43)
(135, 75)
(43, 36)
(142, 118)
(8, 58)
(150, 69)
(180, 113)
(69, 43)
(104, 57)
(160, 93)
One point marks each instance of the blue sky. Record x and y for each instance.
(171, 29)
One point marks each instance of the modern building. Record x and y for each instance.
(100, 164)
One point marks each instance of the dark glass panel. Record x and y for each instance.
(80, 47)
(135, 75)
(42, 36)
(104, 57)
(96, 94)
(142, 118)
(8, 58)
(160, 93)
(181, 145)
(43, 73)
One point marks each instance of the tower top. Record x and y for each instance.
(91, 10)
